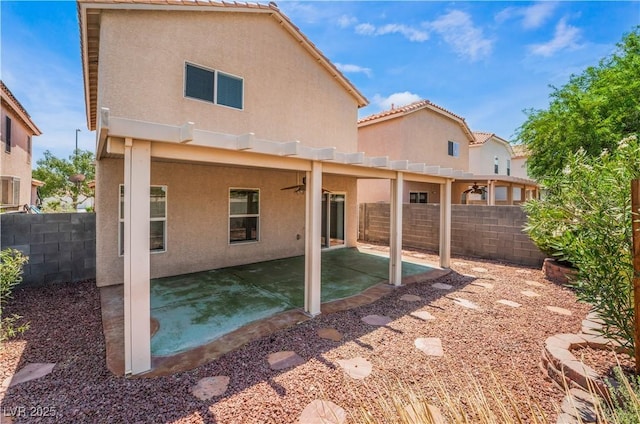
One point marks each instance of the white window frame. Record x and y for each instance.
(455, 150)
(496, 165)
(215, 85)
(508, 167)
(11, 190)
(328, 206)
(121, 221)
(246, 215)
(418, 193)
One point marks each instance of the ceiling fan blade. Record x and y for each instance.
(297, 187)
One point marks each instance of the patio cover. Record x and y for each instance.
(138, 141)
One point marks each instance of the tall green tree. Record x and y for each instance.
(592, 112)
(57, 174)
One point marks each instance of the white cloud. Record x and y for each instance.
(410, 33)
(346, 21)
(533, 16)
(350, 68)
(457, 30)
(536, 15)
(365, 29)
(565, 37)
(396, 100)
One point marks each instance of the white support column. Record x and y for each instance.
(445, 224)
(395, 233)
(491, 201)
(312, 251)
(137, 302)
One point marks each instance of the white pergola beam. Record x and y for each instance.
(354, 158)
(377, 161)
(432, 169)
(186, 132)
(245, 141)
(446, 172)
(290, 148)
(399, 165)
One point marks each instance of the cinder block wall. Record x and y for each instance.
(489, 232)
(61, 246)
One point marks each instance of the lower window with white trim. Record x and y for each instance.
(158, 219)
(244, 215)
(418, 197)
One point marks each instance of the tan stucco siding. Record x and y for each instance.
(376, 191)
(18, 162)
(519, 167)
(382, 139)
(197, 236)
(428, 134)
(481, 158)
(287, 94)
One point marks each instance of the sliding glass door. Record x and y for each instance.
(333, 208)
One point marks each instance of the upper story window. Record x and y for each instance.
(7, 135)
(508, 166)
(28, 149)
(454, 148)
(213, 86)
(496, 162)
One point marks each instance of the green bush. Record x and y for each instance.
(585, 219)
(11, 263)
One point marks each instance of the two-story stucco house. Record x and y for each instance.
(491, 160)
(422, 131)
(18, 131)
(204, 113)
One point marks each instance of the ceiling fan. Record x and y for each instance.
(300, 188)
(475, 189)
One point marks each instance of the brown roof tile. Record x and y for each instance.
(482, 137)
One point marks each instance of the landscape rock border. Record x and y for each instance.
(581, 380)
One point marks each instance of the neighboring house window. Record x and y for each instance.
(418, 197)
(213, 86)
(28, 149)
(454, 148)
(508, 166)
(158, 219)
(7, 135)
(495, 165)
(10, 191)
(244, 215)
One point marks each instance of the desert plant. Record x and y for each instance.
(585, 220)
(624, 407)
(11, 264)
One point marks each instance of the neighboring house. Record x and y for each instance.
(421, 131)
(491, 162)
(18, 131)
(204, 112)
(519, 161)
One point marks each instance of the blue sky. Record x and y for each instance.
(486, 61)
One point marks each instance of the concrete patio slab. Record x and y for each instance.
(212, 348)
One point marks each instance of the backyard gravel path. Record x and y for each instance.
(66, 329)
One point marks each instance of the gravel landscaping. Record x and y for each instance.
(491, 337)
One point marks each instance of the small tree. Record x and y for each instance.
(592, 112)
(11, 264)
(586, 220)
(56, 174)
